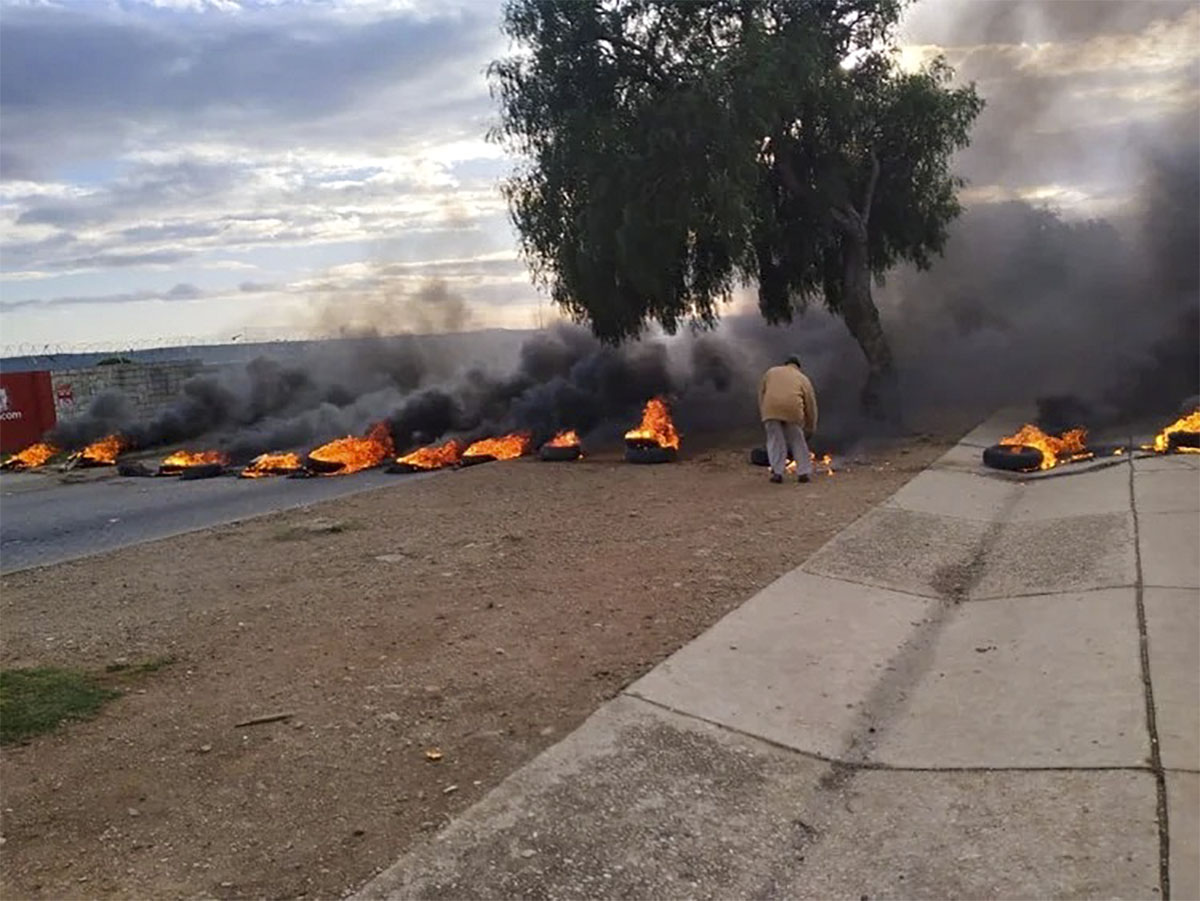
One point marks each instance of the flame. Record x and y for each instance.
(100, 453)
(566, 438)
(825, 460)
(506, 447)
(184, 458)
(272, 465)
(34, 455)
(434, 456)
(1068, 447)
(1189, 423)
(357, 453)
(656, 426)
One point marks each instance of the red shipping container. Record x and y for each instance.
(26, 409)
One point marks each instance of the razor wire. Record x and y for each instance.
(172, 342)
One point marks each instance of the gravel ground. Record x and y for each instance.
(484, 613)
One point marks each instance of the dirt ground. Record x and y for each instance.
(484, 612)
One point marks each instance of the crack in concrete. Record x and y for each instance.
(1160, 779)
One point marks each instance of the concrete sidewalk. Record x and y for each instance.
(985, 687)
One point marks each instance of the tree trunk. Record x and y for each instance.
(880, 397)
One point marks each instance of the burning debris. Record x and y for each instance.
(99, 453)
(507, 447)
(1181, 436)
(563, 447)
(351, 454)
(823, 463)
(264, 465)
(32, 456)
(430, 457)
(176, 463)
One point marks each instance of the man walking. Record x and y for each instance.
(788, 406)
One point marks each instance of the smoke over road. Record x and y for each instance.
(1027, 302)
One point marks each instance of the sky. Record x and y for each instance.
(178, 171)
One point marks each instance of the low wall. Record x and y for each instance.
(149, 387)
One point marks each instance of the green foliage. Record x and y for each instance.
(33, 701)
(673, 150)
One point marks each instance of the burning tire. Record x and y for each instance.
(135, 469)
(201, 471)
(476, 459)
(409, 468)
(1190, 440)
(1012, 457)
(559, 453)
(324, 467)
(644, 454)
(758, 457)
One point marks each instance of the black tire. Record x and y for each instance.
(201, 471)
(135, 470)
(476, 459)
(758, 457)
(1012, 457)
(408, 469)
(322, 466)
(558, 454)
(1177, 440)
(642, 454)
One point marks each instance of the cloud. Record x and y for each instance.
(180, 291)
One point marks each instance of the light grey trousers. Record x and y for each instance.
(786, 440)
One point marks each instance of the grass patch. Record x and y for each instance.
(33, 701)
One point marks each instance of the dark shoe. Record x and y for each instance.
(803, 480)
(776, 478)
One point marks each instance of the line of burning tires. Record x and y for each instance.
(1032, 450)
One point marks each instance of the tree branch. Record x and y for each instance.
(787, 173)
(869, 193)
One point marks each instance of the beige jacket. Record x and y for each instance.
(786, 393)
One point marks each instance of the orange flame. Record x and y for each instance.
(183, 458)
(434, 456)
(272, 465)
(1071, 445)
(506, 447)
(825, 460)
(567, 438)
(34, 455)
(656, 426)
(355, 454)
(100, 453)
(1189, 423)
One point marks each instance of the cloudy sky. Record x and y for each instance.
(175, 169)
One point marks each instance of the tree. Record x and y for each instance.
(673, 150)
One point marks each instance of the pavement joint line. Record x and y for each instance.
(904, 591)
(1160, 780)
(1187, 771)
(877, 767)
(1046, 594)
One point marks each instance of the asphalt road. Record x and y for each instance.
(43, 520)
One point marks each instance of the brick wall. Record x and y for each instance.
(148, 386)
